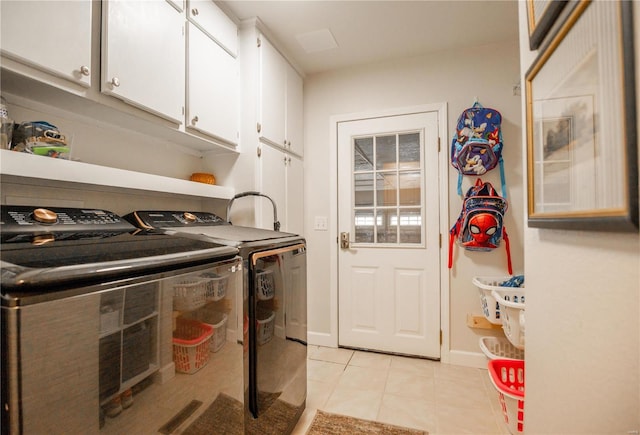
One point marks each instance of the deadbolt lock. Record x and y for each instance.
(344, 240)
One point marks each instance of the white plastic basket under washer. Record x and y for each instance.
(264, 284)
(216, 286)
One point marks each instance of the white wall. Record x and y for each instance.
(583, 322)
(454, 77)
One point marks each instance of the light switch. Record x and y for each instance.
(320, 223)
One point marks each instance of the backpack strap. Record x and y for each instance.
(453, 233)
(505, 237)
(459, 183)
(502, 178)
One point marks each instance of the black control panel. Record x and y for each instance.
(28, 220)
(173, 219)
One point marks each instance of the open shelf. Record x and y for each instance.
(25, 165)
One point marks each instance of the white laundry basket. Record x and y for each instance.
(512, 308)
(489, 305)
(500, 348)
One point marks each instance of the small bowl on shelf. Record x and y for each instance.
(203, 177)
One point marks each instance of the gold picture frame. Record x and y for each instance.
(582, 153)
(541, 15)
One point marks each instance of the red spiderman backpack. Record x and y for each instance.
(480, 224)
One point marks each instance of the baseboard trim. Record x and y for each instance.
(468, 359)
(321, 339)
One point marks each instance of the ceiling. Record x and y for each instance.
(374, 31)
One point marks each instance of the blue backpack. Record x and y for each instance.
(477, 145)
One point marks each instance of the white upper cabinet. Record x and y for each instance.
(213, 88)
(280, 100)
(215, 23)
(143, 56)
(294, 119)
(272, 76)
(39, 34)
(178, 4)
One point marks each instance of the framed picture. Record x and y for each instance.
(541, 14)
(582, 150)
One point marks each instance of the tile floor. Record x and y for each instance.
(411, 392)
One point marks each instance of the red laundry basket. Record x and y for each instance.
(507, 377)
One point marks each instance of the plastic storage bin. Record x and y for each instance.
(218, 321)
(189, 294)
(264, 285)
(490, 307)
(191, 345)
(265, 326)
(512, 307)
(507, 376)
(500, 348)
(215, 286)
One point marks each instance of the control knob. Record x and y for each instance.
(189, 217)
(45, 216)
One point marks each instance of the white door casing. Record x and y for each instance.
(388, 203)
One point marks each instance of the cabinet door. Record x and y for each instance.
(144, 55)
(272, 94)
(294, 118)
(215, 23)
(273, 184)
(295, 195)
(38, 33)
(213, 88)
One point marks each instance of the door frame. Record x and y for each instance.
(443, 177)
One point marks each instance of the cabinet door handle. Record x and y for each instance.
(194, 120)
(115, 82)
(194, 12)
(84, 70)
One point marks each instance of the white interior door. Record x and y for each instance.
(388, 202)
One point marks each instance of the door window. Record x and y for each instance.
(387, 189)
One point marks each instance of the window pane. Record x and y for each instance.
(386, 185)
(363, 154)
(387, 228)
(364, 222)
(410, 191)
(386, 152)
(409, 151)
(363, 190)
(410, 226)
(388, 177)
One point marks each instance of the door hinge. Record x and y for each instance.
(438, 143)
(259, 42)
(440, 240)
(259, 127)
(441, 337)
(259, 151)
